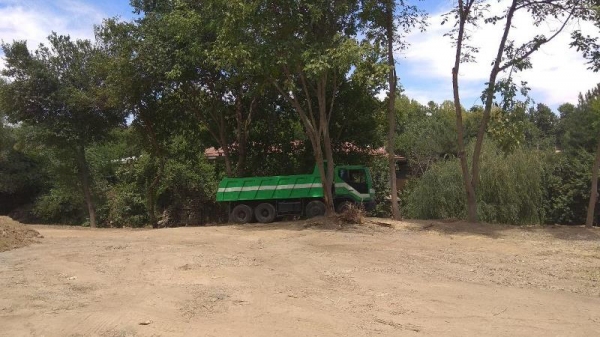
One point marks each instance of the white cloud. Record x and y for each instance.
(558, 75)
(35, 20)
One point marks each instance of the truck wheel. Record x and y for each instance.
(344, 206)
(241, 214)
(315, 208)
(265, 213)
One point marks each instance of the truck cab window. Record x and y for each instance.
(355, 178)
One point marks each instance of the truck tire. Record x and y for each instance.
(315, 208)
(265, 213)
(241, 214)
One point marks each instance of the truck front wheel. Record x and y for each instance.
(265, 213)
(241, 214)
(315, 208)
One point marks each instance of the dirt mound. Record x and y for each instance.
(14, 235)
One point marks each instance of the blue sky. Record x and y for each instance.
(558, 76)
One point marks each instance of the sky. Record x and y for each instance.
(559, 73)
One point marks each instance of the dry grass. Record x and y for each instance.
(353, 215)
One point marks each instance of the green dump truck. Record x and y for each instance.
(266, 198)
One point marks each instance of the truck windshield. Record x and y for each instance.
(356, 178)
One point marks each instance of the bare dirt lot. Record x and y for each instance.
(304, 279)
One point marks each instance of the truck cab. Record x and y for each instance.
(353, 183)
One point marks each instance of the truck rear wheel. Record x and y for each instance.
(265, 213)
(241, 214)
(315, 208)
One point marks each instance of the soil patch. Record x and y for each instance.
(15, 235)
(316, 277)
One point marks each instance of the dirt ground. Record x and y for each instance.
(304, 279)
(14, 235)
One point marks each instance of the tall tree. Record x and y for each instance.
(591, 102)
(60, 89)
(217, 86)
(510, 58)
(590, 48)
(386, 23)
(139, 87)
(308, 48)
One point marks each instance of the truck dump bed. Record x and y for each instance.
(270, 188)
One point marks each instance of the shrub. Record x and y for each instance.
(510, 189)
(60, 205)
(438, 194)
(567, 182)
(354, 214)
(126, 206)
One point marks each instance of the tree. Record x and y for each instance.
(591, 101)
(307, 49)
(541, 128)
(387, 22)
(21, 175)
(510, 58)
(60, 89)
(218, 86)
(426, 134)
(139, 88)
(545, 120)
(574, 132)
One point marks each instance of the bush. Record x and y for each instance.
(381, 184)
(60, 205)
(354, 214)
(567, 183)
(438, 194)
(126, 206)
(510, 189)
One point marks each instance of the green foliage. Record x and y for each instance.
(579, 126)
(125, 206)
(438, 194)
(381, 184)
(60, 205)
(425, 134)
(260, 80)
(511, 189)
(22, 176)
(567, 187)
(507, 128)
(188, 175)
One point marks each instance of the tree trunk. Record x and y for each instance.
(151, 202)
(152, 187)
(469, 190)
(328, 184)
(391, 137)
(225, 147)
(489, 100)
(242, 131)
(329, 175)
(315, 130)
(589, 221)
(318, 153)
(151, 191)
(84, 178)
